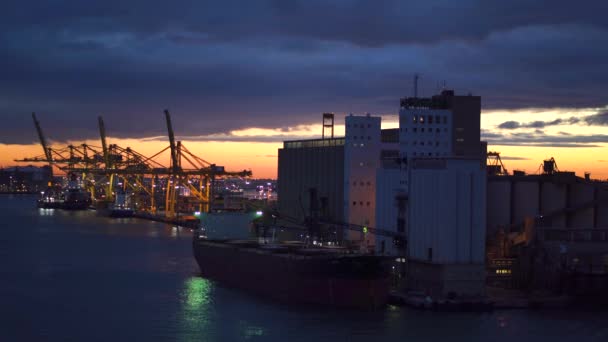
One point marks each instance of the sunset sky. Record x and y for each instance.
(241, 76)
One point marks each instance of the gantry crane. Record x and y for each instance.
(143, 175)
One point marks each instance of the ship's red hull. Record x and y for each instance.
(344, 281)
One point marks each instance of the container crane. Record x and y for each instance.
(107, 161)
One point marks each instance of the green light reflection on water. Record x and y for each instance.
(196, 311)
(197, 292)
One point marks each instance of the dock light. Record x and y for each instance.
(197, 213)
(364, 230)
(258, 213)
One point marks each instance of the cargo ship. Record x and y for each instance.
(74, 196)
(294, 273)
(122, 206)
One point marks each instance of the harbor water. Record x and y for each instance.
(76, 276)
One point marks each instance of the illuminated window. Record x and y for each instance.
(415, 119)
(421, 119)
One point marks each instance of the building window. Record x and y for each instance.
(354, 183)
(421, 119)
(368, 203)
(422, 143)
(430, 119)
(355, 137)
(430, 154)
(430, 131)
(415, 119)
(414, 143)
(360, 202)
(361, 183)
(437, 130)
(414, 129)
(445, 120)
(369, 138)
(368, 125)
(354, 202)
(369, 183)
(437, 119)
(422, 130)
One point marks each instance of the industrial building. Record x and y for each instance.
(394, 180)
(548, 231)
(446, 230)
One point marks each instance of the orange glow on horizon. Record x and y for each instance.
(262, 158)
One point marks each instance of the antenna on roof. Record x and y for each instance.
(416, 76)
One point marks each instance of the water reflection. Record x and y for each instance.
(196, 310)
(138, 279)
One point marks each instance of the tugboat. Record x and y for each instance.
(51, 198)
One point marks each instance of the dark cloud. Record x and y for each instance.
(509, 125)
(599, 119)
(525, 139)
(221, 66)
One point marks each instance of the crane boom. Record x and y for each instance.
(47, 152)
(174, 163)
(104, 145)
